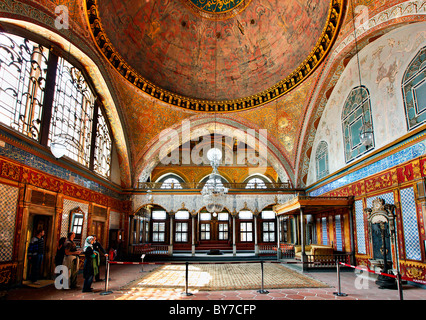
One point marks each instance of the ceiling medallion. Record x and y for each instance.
(294, 79)
(217, 9)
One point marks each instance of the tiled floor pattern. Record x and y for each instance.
(215, 277)
(356, 288)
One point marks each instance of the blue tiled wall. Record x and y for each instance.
(397, 158)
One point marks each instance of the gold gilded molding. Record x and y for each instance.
(314, 59)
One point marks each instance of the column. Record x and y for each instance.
(171, 214)
(193, 234)
(234, 244)
(278, 237)
(302, 239)
(256, 246)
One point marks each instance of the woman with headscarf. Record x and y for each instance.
(88, 270)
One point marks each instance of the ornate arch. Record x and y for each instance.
(200, 126)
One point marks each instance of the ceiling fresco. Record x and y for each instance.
(202, 64)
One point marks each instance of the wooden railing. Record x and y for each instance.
(267, 249)
(152, 249)
(286, 250)
(327, 261)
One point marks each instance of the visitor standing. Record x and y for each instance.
(71, 260)
(88, 268)
(35, 254)
(98, 249)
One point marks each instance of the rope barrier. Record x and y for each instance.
(369, 270)
(186, 263)
(195, 262)
(397, 277)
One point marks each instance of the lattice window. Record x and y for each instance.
(72, 114)
(414, 90)
(205, 231)
(321, 160)
(246, 231)
(181, 232)
(23, 70)
(158, 231)
(223, 231)
(356, 113)
(268, 231)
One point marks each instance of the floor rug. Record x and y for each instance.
(214, 277)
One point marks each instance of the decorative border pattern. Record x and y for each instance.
(368, 171)
(320, 51)
(217, 10)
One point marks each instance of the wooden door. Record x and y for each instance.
(97, 228)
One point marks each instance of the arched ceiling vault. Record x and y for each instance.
(193, 129)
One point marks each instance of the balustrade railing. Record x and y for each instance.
(199, 185)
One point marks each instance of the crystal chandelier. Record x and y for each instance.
(214, 193)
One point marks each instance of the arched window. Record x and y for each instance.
(171, 181)
(209, 182)
(414, 90)
(356, 114)
(321, 160)
(256, 183)
(48, 99)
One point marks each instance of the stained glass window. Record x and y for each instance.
(72, 113)
(23, 70)
(103, 147)
(414, 90)
(356, 113)
(321, 159)
(68, 110)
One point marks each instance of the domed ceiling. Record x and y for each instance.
(215, 55)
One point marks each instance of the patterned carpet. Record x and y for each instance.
(213, 277)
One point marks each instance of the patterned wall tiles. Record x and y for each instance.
(114, 220)
(388, 197)
(360, 231)
(8, 207)
(397, 158)
(68, 206)
(409, 220)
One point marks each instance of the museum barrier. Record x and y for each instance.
(187, 293)
(385, 282)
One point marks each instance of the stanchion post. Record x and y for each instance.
(262, 290)
(142, 257)
(106, 292)
(339, 293)
(186, 293)
(398, 278)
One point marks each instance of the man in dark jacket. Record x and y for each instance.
(36, 256)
